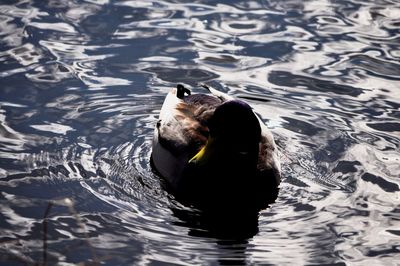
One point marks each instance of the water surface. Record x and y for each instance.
(81, 85)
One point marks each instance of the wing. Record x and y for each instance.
(268, 160)
(181, 131)
(183, 122)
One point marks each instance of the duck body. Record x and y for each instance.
(214, 152)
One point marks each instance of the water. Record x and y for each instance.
(82, 83)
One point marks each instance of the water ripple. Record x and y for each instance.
(81, 87)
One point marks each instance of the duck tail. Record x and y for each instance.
(223, 96)
(181, 90)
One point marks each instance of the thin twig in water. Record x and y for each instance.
(46, 213)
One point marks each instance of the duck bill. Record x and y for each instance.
(204, 155)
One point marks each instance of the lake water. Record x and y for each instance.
(81, 85)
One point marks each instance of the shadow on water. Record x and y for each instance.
(230, 231)
(218, 224)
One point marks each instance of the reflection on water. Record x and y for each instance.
(81, 86)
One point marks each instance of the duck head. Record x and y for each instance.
(223, 175)
(233, 142)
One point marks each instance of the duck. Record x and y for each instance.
(214, 152)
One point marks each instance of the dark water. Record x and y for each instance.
(81, 84)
